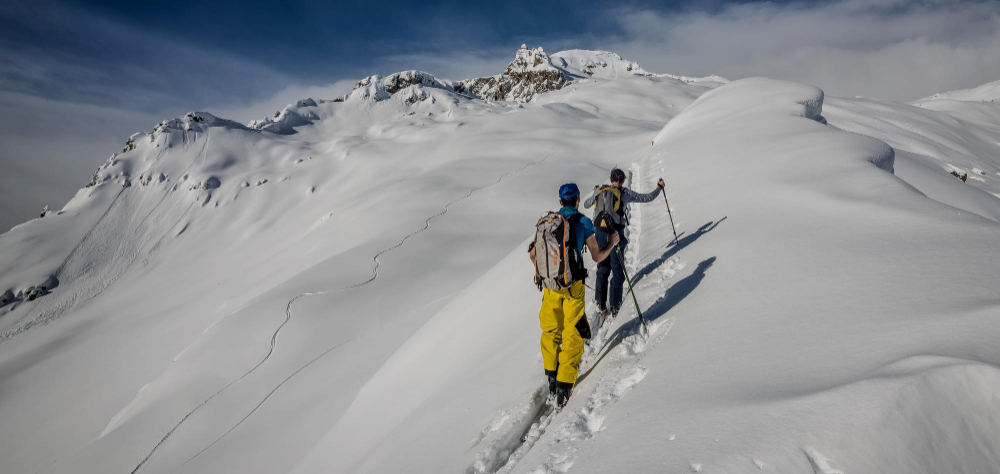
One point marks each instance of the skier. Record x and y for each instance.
(560, 237)
(609, 204)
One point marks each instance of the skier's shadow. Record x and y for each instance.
(675, 294)
(672, 250)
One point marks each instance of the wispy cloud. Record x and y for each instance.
(893, 49)
(63, 52)
(258, 109)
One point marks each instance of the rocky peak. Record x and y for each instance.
(529, 74)
(526, 60)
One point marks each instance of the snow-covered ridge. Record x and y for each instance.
(530, 73)
(988, 92)
(283, 122)
(597, 64)
(192, 122)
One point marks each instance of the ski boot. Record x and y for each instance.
(550, 375)
(563, 392)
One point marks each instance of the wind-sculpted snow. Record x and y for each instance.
(296, 115)
(936, 142)
(811, 331)
(988, 92)
(597, 64)
(344, 288)
(288, 317)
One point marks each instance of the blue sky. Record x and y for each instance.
(77, 78)
(151, 51)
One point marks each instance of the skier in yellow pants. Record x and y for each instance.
(562, 318)
(564, 331)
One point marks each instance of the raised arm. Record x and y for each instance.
(589, 202)
(629, 195)
(596, 252)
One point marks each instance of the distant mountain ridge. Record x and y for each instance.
(532, 72)
(988, 92)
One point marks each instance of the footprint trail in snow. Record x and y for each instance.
(517, 430)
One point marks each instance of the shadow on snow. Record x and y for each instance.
(682, 242)
(674, 295)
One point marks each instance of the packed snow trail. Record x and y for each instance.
(288, 318)
(530, 420)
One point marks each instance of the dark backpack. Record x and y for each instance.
(609, 210)
(558, 263)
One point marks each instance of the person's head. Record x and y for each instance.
(617, 177)
(569, 195)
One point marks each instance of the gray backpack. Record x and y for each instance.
(609, 211)
(558, 264)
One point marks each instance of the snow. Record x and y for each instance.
(597, 64)
(932, 139)
(988, 92)
(344, 287)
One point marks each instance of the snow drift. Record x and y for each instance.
(342, 287)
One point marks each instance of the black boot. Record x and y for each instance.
(563, 392)
(551, 374)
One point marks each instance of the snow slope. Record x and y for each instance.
(212, 262)
(935, 141)
(988, 92)
(343, 288)
(823, 315)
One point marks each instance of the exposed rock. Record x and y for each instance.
(7, 297)
(529, 74)
(532, 72)
(211, 183)
(380, 88)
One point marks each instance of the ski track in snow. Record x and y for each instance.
(531, 418)
(288, 318)
(819, 462)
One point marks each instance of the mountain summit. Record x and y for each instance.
(532, 72)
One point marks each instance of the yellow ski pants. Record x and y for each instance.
(564, 331)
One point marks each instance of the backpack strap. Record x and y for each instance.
(579, 270)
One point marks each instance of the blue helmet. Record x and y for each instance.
(568, 191)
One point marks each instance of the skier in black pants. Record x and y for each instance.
(610, 204)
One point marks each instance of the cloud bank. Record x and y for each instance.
(894, 49)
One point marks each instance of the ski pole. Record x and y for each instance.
(638, 311)
(670, 214)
